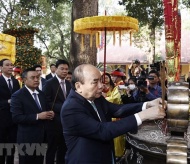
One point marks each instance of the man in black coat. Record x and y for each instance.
(38, 69)
(8, 130)
(56, 91)
(52, 73)
(86, 119)
(29, 111)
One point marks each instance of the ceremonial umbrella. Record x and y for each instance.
(93, 25)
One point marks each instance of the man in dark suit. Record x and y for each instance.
(7, 128)
(38, 69)
(29, 111)
(52, 73)
(56, 91)
(86, 118)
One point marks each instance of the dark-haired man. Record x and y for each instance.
(29, 111)
(42, 81)
(151, 91)
(52, 73)
(56, 91)
(8, 130)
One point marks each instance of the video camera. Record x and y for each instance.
(155, 66)
(141, 81)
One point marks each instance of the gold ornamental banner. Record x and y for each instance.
(7, 47)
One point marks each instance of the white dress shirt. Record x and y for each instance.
(6, 79)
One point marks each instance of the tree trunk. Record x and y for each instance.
(81, 9)
(152, 40)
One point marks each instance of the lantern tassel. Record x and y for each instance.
(130, 38)
(97, 44)
(82, 42)
(90, 40)
(119, 38)
(114, 37)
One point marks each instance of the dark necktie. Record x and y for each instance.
(9, 85)
(96, 110)
(36, 100)
(63, 89)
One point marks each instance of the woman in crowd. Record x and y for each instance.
(128, 97)
(112, 94)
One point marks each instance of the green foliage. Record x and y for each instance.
(32, 4)
(147, 12)
(51, 17)
(186, 3)
(54, 24)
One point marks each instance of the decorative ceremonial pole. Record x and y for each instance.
(105, 36)
(173, 38)
(179, 46)
(163, 86)
(177, 116)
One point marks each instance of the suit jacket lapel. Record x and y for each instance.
(100, 111)
(92, 111)
(4, 83)
(60, 92)
(89, 108)
(15, 85)
(31, 99)
(68, 87)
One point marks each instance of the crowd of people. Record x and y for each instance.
(30, 112)
(83, 115)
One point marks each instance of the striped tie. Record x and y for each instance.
(36, 100)
(63, 89)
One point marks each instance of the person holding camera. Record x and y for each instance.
(148, 92)
(134, 69)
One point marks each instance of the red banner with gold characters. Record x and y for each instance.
(173, 39)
